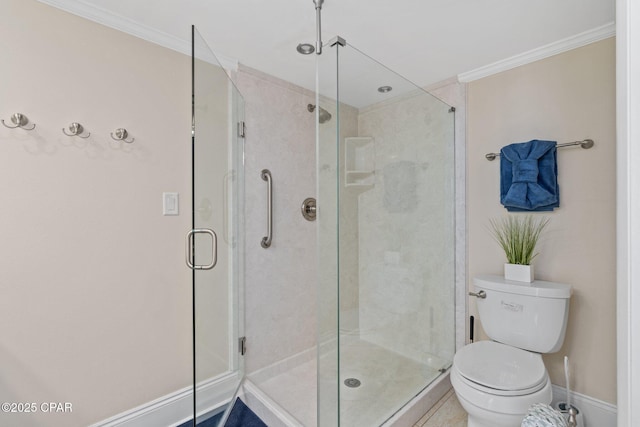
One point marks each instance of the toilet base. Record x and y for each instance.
(497, 420)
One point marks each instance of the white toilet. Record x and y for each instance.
(496, 381)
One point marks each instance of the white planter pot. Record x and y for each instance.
(518, 272)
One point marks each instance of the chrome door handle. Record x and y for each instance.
(266, 241)
(190, 245)
(481, 294)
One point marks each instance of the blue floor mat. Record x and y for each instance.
(209, 422)
(240, 416)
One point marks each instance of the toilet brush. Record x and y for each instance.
(572, 421)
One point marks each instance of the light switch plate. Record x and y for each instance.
(170, 204)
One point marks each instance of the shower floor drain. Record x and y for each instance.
(352, 382)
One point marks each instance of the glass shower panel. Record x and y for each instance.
(218, 107)
(387, 212)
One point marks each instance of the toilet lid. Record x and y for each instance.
(500, 367)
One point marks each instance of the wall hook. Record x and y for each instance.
(121, 135)
(19, 120)
(76, 129)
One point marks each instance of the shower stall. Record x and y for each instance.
(348, 320)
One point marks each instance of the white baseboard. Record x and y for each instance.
(596, 413)
(176, 408)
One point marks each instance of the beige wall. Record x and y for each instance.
(567, 97)
(94, 294)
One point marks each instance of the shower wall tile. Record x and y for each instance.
(280, 282)
(406, 252)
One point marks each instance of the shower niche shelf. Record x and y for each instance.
(359, 161)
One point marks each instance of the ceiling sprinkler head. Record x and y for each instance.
(305, 48)
(385, 89)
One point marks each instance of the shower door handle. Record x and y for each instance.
(266, 241)
(190, 246)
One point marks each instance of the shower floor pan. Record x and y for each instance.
(388, 381)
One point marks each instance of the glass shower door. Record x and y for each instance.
(214, 244)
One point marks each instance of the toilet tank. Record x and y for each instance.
(531, 316)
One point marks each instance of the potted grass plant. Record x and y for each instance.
(518, 236)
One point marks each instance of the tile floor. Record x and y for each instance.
(446, 413)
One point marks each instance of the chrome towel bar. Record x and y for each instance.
(586, 144)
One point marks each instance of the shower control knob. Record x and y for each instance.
(308, 209)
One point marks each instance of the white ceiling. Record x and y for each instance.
(426, 41)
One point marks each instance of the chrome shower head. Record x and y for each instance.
(323, 115)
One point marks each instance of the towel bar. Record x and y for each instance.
(586, 144)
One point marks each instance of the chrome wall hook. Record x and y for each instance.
(20, 121)
(121, 135)
(76, 129)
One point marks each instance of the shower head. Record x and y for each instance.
(323, 115)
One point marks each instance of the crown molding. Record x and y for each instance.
(573, 42)
(129, 26)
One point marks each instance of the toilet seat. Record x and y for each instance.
(499, 369)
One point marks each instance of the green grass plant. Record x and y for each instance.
(518, 236)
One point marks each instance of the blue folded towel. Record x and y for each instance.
(529, 176)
